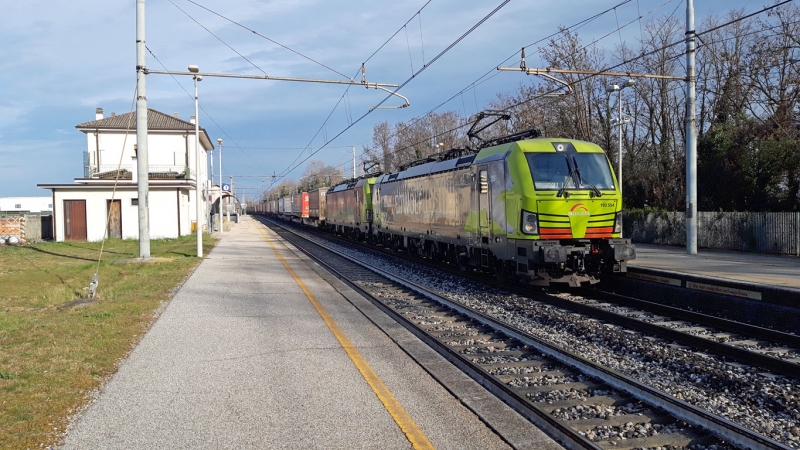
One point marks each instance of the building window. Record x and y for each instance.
(50, 205)
(134, 201)
(18, 205)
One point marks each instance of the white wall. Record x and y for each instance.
(164, 148)
(164, 212)
(27, 204)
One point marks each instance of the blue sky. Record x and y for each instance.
(61, 60)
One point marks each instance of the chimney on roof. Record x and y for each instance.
(191, 119)
(98, 113)
(175, 115)
(113, 114)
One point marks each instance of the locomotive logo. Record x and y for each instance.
(579, 210)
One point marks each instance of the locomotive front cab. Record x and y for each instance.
(570, 222)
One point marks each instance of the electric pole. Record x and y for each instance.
(142, 164)
(691, 135)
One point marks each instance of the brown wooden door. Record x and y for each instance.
(74, 220)
(114, 218)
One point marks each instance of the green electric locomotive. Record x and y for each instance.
(544, 210)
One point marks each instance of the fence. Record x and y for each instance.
(764, 232)
(126, 171)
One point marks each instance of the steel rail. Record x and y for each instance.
(701, 318)
(739, 354)
(554, 427)
(719, 426)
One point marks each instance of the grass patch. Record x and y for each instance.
(52, 354)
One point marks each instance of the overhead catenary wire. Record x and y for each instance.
(486, 77)
(267, 38)
(218, 38)
(292, 165)
(491, 73)
(414, 75)
(609, 68)
(235, 144)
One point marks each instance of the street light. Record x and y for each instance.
(620, 121)
(194, 69)
(221, 229)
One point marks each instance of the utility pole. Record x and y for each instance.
(221, 227)
(142, 164)
(228, 209)
(198, 205)
(210, 206)
(691, 135)
(354, 162)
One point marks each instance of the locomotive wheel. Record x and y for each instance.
(462, 261)
(501, 272)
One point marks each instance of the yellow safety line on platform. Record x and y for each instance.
(400, 416)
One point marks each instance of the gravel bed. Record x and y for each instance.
(519, 370)
(560, 395)
(762, 402)
(582, 412)
(545, 380)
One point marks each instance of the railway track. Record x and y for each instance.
(581, 403)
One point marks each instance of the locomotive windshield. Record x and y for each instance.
(551, 171)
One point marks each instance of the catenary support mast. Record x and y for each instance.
(691, 135)
(142, 170)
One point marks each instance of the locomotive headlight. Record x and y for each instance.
(530, 223)
(618, 223)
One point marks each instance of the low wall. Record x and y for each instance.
(761, 232)
(25, 228)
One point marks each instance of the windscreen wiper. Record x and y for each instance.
(577, 170)
(596, 191)
(570, 176)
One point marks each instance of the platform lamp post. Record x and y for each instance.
(611, 88)
(221, 229)
(620, 122)
(194, 69)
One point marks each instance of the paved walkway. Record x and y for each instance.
(241, 358)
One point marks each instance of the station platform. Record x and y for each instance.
(261, 348)
(775, 271)
(754, 288)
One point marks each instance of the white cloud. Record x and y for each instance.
(63, 59)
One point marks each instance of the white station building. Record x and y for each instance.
(104, 201)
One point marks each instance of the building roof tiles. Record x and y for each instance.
(156, 120)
